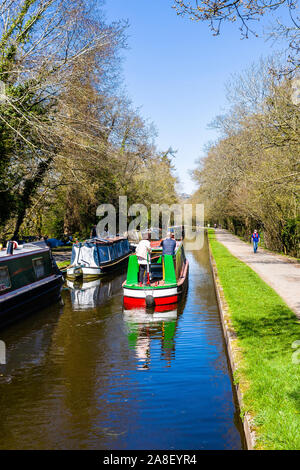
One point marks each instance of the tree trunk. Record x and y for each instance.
(30, 188)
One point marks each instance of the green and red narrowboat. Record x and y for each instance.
(29, 281)
(167, 280)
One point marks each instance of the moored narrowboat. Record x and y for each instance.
(29, 280)
(167, 279)
(98, 256)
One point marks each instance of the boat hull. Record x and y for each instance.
(29, 299)
(90, 273)
(74, 273)
(160, 297)
(134, 298)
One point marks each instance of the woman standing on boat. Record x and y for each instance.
(142, 251)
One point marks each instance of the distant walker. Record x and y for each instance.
(255, 239)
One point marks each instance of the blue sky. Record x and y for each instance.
(175, 71)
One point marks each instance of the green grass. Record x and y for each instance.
(63, 264)
(266, 329)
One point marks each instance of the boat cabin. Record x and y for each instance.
(29, 263)
(29, 280)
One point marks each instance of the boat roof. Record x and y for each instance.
(24, 249)
(104, 241)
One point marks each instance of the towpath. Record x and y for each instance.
(60, 256)
(282, 275)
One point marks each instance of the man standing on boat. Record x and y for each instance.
(168, 248)
(168, 245)
(142, 251)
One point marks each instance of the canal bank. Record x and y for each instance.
(261, 334)
(233, 355)
(90, 375)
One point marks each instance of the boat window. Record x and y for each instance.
(119, 249)
(125, 247)
(4, 279)
(39, 267)
(103, 253)
(113, 253)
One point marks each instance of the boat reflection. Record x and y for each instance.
(87, 295)
(145, 327)
(28, 344)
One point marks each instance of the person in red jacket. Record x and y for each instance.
(255, 238)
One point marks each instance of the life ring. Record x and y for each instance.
(15, 245)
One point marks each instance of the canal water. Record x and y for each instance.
(88, 375)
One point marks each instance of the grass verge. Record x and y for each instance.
(63, 264)
(266, 329)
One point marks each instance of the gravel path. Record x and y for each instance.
(283, 276)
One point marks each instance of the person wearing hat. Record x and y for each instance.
(255, 239)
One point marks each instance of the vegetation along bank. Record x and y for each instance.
(265, 329)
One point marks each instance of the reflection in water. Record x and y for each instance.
(85, 295)
(28, 344)
(143, 326)
(92, 376)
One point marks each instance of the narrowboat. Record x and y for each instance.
(29, 280)
(98, 256)
(167, 279)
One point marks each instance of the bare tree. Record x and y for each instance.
(245, 14)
